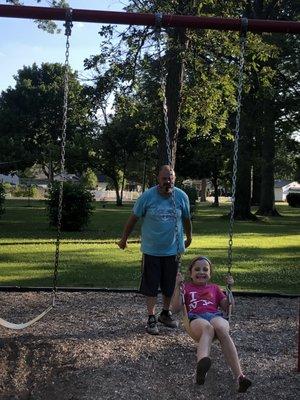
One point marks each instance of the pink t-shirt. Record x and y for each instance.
(200, 299)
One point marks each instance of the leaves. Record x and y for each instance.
(31, 116)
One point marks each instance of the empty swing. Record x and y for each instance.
(10, 325)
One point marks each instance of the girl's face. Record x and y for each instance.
(200, 272)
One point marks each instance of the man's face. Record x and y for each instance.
(166, 180)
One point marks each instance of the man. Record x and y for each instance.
(162, 238)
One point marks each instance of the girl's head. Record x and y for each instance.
(200, 270)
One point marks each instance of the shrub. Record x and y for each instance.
(2, 199)
(7, 187)
(30, 191)
(77, 206)
(293, 199)
(191, 191)
(89, 179)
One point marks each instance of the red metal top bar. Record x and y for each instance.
(113, 17)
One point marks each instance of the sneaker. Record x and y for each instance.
(151, 327)
(243, 384)
(168, 320)
(203, 366)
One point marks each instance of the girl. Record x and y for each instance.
(204, 302)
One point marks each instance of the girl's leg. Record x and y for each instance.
(205, 332)
(221, 327)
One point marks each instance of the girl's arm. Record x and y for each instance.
(228, 300)
(176, 304)
(224, 304)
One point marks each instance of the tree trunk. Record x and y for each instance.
(216, 192)
(122, 187)
(203, 190)
(242, 206)
(267, 198)
(242, 209)
(256, 163)
(118, 197)
(256, 184)
(175, 56)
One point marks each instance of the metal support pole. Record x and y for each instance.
(125, 18)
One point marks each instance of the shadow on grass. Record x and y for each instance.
(107, 224)
(273, 269)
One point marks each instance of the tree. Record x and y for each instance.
(31, 117)
(205, 157)
(203, 98)
(119, 143)
(265, 102)
(48, 26)
(118, 66)
(279, 96)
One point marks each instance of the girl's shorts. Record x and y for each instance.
(208, 316)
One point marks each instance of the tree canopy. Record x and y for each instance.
(31, 118)
(196, 72)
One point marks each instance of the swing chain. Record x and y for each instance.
(158, 20)
(68, 30)
(178, 255)
(243, 38)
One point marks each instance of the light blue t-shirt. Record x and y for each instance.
(158, 221)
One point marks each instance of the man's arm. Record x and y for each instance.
(188, 231)
(132, 220)
(176, 302)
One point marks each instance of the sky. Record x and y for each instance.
(25, 44)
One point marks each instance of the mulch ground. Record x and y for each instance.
(94, 346)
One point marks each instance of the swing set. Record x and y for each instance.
(158, 21)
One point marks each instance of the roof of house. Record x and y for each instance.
(279, 183)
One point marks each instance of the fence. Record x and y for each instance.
(110, 195)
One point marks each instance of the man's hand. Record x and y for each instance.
(187, 242)
(122, 244)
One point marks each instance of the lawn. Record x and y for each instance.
(265, 253)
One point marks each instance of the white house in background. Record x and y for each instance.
(282, 187)
(10, 178)
(66, 177)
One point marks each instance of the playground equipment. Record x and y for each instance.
(192, 22)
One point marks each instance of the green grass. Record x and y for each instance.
(265, 253)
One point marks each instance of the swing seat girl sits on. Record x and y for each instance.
(204, 304)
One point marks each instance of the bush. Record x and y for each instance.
(30, 191)
(293, 199)
(2, 199)
(21, 190)
(89, 179)
(76, 209)
(191, 191)
(7, 186)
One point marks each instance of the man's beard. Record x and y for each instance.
(168, 189)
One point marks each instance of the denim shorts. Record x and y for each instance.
(208, 316)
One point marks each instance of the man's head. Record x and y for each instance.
(166, 179)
